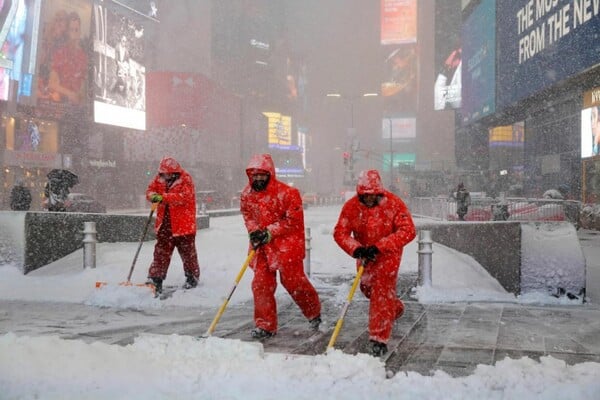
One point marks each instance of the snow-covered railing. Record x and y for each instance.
(489, 209)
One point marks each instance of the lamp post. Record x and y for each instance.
(391, 157)
(352, 133)
(351, 99)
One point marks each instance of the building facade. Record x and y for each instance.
(534, 72)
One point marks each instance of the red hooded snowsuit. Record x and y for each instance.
(178, 229)
(389, 226)
(278, 209)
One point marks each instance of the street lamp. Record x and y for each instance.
(354, 144)
(351, 99)
(391, 157)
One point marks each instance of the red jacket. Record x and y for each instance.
(389, 225)
(278, 208)
(180, 197)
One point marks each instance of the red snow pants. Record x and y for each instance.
(163, 251)
(379, 286)
(294, 281)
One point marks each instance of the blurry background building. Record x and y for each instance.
(106, 88)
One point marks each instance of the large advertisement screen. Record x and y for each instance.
(119, 74)
(479, 62)
(31, 142)
(399, 87)
(590, 132)
(280, 129)
(398, 128)
(508, 135)
(398, 21)
(18, 28)
(541, 43)
(590, 124)
(63, 58)
(288, 162)
(448, 56)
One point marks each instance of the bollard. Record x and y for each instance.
(307, 258)
(89, 245)
(425, 251)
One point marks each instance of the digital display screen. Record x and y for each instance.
(590, 132)
(118, 70)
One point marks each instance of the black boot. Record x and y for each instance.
(157, 283)
(315, 322)
(260, 333)
(190, 282)
(378, 349)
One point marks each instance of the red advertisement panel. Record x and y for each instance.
(398, 21)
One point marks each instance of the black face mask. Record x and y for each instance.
(171, 179)
(260, 185)
(362, 199)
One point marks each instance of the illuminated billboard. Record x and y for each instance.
(399, 87)
(508, 135)
(398, 21)
(18, 23)
(288, 161)
(279, 129)
(397, 159)
(118, 70)
(63, 58)
(399, 128)
(543, 43)
(590, 124)
(448, 56)
(31, 142)
(590, 132)
(478, 39)
(288, 158)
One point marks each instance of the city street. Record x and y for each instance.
(452, 336)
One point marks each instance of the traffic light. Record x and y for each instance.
(346, 157)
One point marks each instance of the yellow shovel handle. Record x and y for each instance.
(238, 278)
(340, 322)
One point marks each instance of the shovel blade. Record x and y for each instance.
(152, 288)
(148, 285)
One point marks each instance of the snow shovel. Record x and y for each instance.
(137, 253)
(340, 322)
(238, 278)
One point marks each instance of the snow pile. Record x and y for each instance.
(183, 367)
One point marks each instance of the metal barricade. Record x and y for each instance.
(492, 209)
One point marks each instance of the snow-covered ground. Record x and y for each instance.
(177, 366)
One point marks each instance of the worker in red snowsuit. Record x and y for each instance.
(173, 189)
(274, 218)
(373, 227)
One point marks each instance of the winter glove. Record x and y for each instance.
(156, 198)
(366, 253)
(360, 252)
(260, 237)
(371, 253)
